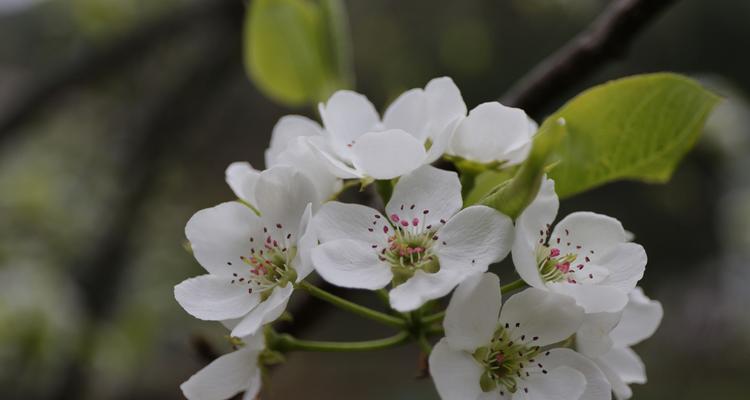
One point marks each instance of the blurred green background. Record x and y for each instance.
(97, 183)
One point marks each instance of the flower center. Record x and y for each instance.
(554, 266)
(506, 361)
(561, 260)
(409, 248)
(270, 264)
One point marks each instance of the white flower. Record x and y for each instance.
(252, 260)
(484, 357)
(358, 145)
(422, 247)
(586, 256)
(229, 374)
(606, 338)
(493, 132)
(290, 146)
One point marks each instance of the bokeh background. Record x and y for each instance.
(97, 182)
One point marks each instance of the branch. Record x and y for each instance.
(98, 62)
(607, 38)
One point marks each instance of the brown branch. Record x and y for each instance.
(98, 62)
(607, 38)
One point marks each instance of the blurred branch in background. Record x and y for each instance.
(107, 59)
(101, 270)
(606, 39)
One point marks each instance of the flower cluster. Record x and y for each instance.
(567, 336)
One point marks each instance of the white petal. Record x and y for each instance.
(241, 178)
(421, 288)
(255, 341)
(534, 221)
(593, 298)
(441, 142)
(303, 262)
(300, 155)
(597, 385)
(492, 395)
(524, 260)
(445, 104)
(427, 194)
(267, 311)
(473, 239)
(592, 338)
(324, 151)
(493, 132)
(337, 220)
(562, 383)
(468, 325)
(531, 232)
(455, 373)
(214, 298)
(626, 364)
(346, 116)
(285, 133)
(626, 264)
(283, 194)
(409, 113)
(219, 236)
(639, 320)
(225, 377)
(591, 231)
(387, 154)
(352, 264)
(542, 317)
(621, 389)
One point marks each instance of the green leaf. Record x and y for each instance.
(485, 182)
(632, 128)
(296, 51)
(337, 42)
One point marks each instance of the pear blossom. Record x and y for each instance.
(252, 261)
(424, 247)
(290, 146)
(508, 351)
(232, 373)
(608, 344)
(586, 256)
(493, 132)
(415, 130)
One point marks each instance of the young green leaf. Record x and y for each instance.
(295, 51)
(632, 128)
(485, 182)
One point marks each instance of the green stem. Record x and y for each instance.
(383, 296)
(352, 307)
(431, 319)
(424, 345)
(438, 330)
(286, 343)
(512, 286)
(346, 185)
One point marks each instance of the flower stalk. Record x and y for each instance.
(352, 307)
(286, 343)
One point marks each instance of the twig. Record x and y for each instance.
(98, 62)
(607, 38)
